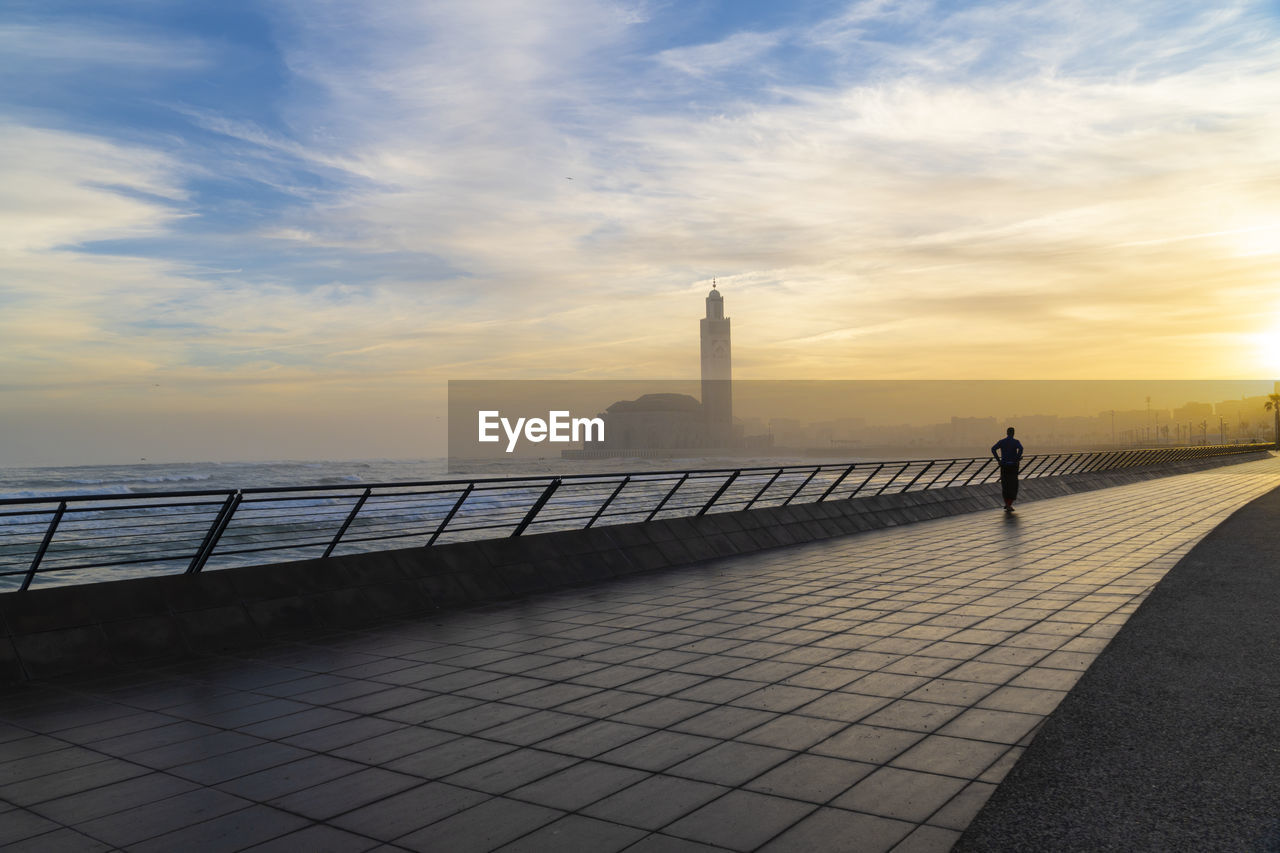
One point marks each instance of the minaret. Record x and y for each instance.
(717, 396)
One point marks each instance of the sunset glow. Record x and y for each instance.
(276, 230)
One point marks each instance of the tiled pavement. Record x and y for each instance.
(865, 693)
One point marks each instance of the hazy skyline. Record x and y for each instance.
(275, 229)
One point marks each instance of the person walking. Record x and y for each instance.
(1008, 453)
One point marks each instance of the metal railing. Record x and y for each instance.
(85, 538)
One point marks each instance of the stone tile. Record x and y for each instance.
(20, 824)
(903, 794)
(724, 721)
(719, 691)
(439, 761)
(793, 732)
(537, 726)
(220, 768)
(658, 751)
(481, 828)
(915, 716)
(661, 843)
(1024, 700)
(661, 713)
(316, 837)
(887, 684)
(996, 726)
(997, 771)
(578, 786)
(594, 738)
(228, 832)
(730, 763)
(928, 839)
(1041, 678)
(288, 778)
(740, 820)
(335, 737)
(73, 780)
(824, 677)
(870, 744)
(110, 798)
(778, 697)
(480, 718)
(847, 707)
(501, 774)
(948, 692)
(655, 802)
(345, 793)
(985, 671)
(61, 840)
(393, 744)
(840, 831)
(950, 756)
(417, 713)
(577, 834)
(813, 778)
(958, 813)
(409, 811)
(128, 828)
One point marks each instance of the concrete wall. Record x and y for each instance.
(64, 630)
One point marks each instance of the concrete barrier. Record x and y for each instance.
(65, 630)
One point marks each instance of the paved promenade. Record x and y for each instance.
(866, 693)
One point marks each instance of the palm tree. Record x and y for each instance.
(1273, 405)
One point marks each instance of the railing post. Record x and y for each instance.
(351, 516)
(215, 533)
(1053, 466)
(763, 489)
(1037, 462)
(957, 475)
(889, 482)
(44, 545)
(978, 470)
(657, 509)
(836, 482)
(213, 528)
(918, 475)
(863, 484)
(608, 500)
(938, 476)
(723, 488)
(537, 506)
(800, 488)
(457, 505)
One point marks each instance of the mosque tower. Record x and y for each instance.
(717, 395)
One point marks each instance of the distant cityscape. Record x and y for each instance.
(679, 424)
(1227, 421)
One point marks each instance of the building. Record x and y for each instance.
(717, 373)
(678, 422)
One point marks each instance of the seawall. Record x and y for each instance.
(74, 629)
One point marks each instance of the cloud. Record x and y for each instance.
(900, 190)
(59, 188)
(703, 60)
(71, 47)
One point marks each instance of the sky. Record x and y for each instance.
(275, 229)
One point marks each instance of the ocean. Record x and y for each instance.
(96, 542)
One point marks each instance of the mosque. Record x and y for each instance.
(660, 423)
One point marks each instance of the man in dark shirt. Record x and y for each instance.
(1008, 453)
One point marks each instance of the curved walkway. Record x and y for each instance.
(1171, 740)
(865, 693)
